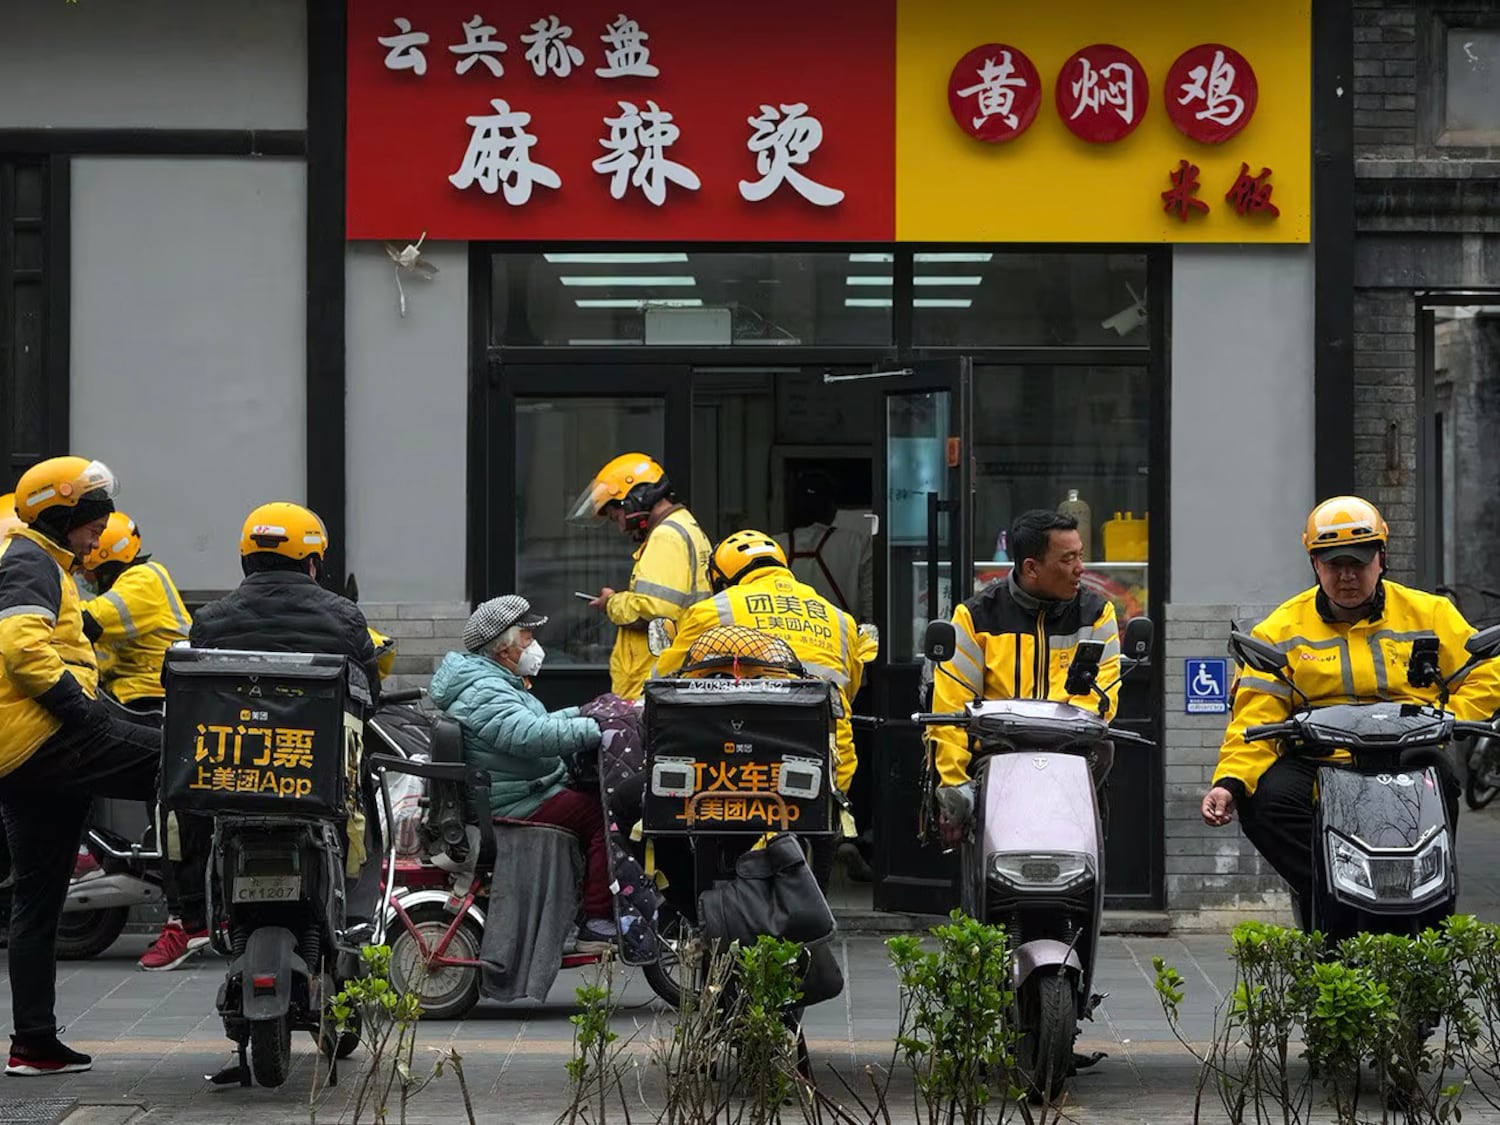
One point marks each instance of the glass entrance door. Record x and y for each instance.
(567, 424)
(923, 487)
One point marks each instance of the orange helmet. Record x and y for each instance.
(8, 517)
(1345, 522)
(65, 482)
(741, 553)
(119, 543)
(289, 530)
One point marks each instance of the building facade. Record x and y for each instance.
(962, 269)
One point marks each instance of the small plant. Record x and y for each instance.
(958, 1031)
(595, 1068)
(769, 983)
(386, 1019)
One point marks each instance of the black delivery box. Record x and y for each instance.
(255, 733)
(726, 756)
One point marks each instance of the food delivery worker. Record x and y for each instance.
(755, 588)
(671, 563)
(136, 616)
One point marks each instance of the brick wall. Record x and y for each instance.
(1416, 231)
(424, 633)
(1214, 876)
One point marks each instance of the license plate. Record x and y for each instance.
(267, 888)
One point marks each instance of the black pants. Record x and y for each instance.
(45, 802)
(1278, 819)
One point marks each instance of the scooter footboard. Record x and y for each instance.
(267, 970)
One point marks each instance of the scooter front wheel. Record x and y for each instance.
(1049, 1025)
(271, 1050)
(82, 934)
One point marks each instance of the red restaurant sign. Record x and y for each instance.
(583, 121)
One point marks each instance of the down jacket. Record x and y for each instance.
(508, 732)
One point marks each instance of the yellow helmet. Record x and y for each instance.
(8, 517)
(120, 542)
(632, 480)
(289, 530)
(66, 482)
(1345, 521)
(741, 553)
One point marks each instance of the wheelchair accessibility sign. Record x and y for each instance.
(1207, 686)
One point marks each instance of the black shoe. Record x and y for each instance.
(44, 1056)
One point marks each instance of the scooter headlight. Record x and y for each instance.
(1389, 878)
(1042, 870)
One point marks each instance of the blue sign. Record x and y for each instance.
(1207, 686)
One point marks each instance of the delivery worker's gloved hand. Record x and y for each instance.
(955, 812)
(71, 707)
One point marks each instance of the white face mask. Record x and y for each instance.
(529, 663)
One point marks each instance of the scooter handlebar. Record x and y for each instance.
(1475, 730)
(1269, 730)
(411, 695)
(432, 771)
(940, 719)
(1118, 735)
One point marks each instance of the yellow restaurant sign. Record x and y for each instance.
(1047, 184)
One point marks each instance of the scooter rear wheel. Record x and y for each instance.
(87, 933)
(447, 992)
(271, 1051)
(683, 961)
(1049, 1021)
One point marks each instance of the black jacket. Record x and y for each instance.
(285, 611)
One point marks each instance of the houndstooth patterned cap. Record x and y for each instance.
(495, 616)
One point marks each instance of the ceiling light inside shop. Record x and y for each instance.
(600, 259)
(639, 302)
(955, 256)
(930, 279)
(918, 302)
(867, 279)
(605, 281)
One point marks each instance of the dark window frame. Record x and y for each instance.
(52, 277)
(1434, 138)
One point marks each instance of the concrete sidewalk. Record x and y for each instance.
(154, 1036)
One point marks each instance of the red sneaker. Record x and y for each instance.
(32, 1060)
(85, 864)
(174, 946)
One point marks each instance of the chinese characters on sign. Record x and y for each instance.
(994, 93)
(248, 759)
(499, 155)
(741, 789)
(1211, 93)
(1102, 93)
(1250, 195)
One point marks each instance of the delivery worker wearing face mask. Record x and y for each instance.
(671, 561)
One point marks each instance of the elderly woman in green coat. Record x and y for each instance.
(508, 732)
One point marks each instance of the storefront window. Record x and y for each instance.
(1072, 438)
(669, 297)
(993, 300)
(917, 478)
(560, 445)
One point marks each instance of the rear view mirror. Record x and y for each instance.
(1485, 644)
(659, 635)
(1257, 654)
(940, 642)
(1422, 667)
(1136, 644)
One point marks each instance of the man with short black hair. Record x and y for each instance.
(1016, 638)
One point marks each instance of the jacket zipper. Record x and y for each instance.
(1044, 687)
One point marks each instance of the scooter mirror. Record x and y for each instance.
(659, 635)
(940, 641)
(1136, 644)
(1485, 644)
(1257, 654)
(1422, 667)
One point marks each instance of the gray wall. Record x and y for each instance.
(1242, 422)
(1242, 485)
(408, 404)
(188, 345)
(205, 64)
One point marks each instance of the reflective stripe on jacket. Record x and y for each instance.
(824, 637)
(1336, 662)
(138, 619)
(671, 573)
(41, 641)
(1012, 646)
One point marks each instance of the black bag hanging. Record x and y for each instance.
(774, 893)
